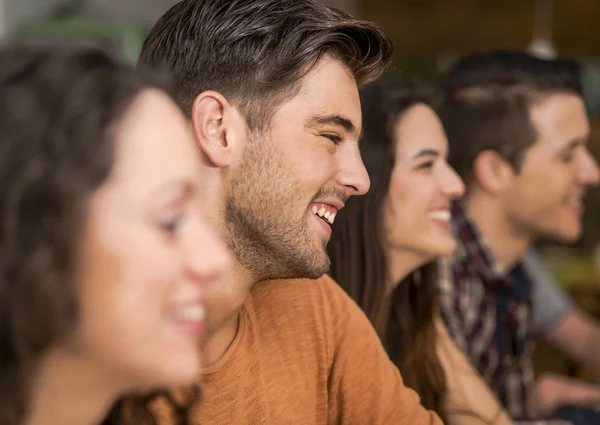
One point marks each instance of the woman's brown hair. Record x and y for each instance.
(59, 105)
(404, 319)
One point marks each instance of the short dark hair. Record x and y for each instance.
(487, 101)
(59, 105)
(255, 51)
(405, 319)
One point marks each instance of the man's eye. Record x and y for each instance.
(333, 137)
(567, 157)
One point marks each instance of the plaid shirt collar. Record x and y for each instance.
(472, 247)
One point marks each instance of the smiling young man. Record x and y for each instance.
(271, 90)
(517, 129)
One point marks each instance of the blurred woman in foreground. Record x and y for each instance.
(104, 255)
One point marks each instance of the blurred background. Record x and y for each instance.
(428, 36)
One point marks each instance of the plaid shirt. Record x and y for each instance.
(488, 312)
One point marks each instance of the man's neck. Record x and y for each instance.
(69, 392)
(507, 246)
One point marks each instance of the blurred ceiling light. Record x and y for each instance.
(542, 49)
(541, 46)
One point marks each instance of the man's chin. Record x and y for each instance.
(299, 274)
(314, 268)
(317, 273)
(568, 235)
(314, 271)
(296, 266)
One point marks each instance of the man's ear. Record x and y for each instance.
(492, 172)
(209, 124)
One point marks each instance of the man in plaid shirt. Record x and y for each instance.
(517, 129)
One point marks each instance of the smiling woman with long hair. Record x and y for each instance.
(385, 246)
(104, 255)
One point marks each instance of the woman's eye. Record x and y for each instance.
(171, 224)
(425, 165)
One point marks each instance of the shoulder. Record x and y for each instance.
(537, 271)
(301, 293)
(296, 303)
(314, 314)
(320, 303)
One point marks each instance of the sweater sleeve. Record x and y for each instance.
(364, 386)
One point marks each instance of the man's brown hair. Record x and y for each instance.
(254, 52)
(488, 97)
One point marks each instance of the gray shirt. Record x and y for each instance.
(550, 302)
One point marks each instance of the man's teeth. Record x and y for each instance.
(192, 313)
(440, 215)
(324, 214)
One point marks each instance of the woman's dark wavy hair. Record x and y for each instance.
(404, 319)
(59, 105)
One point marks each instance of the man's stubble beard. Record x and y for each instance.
(261, 225)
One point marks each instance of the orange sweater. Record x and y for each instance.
(305, 354)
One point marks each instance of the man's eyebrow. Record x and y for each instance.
(338, 120)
